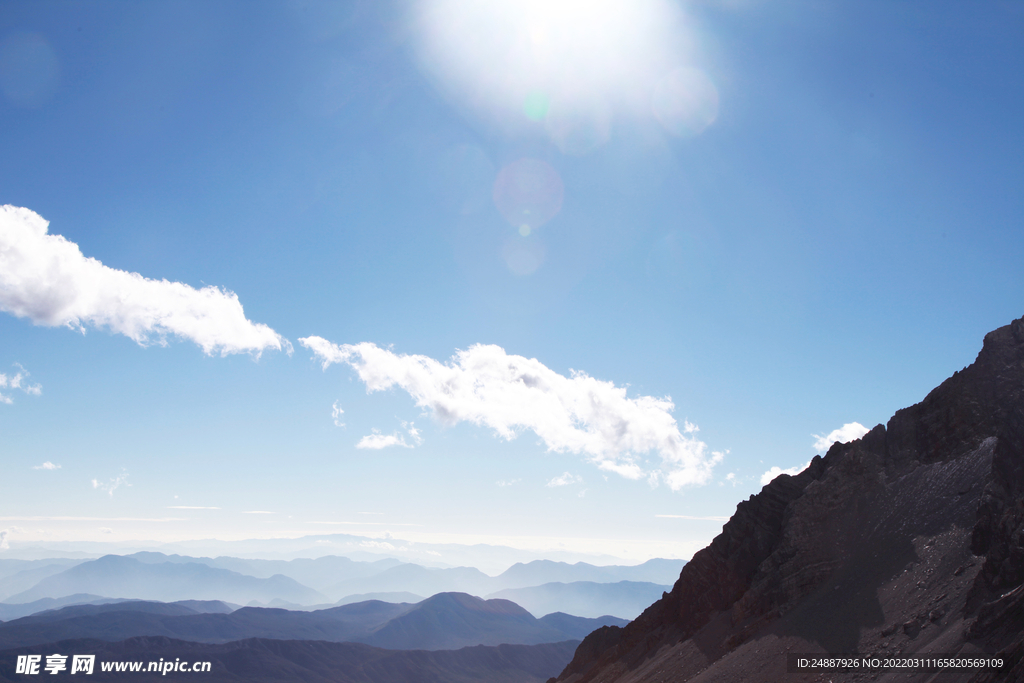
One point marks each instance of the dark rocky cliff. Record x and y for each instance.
(910, 539)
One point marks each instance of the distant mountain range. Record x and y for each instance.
(442, 622)
(624, 599)
(330, 581)
(17, 576)
(126, 577)
(259, 660)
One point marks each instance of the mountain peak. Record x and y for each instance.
(872, 548)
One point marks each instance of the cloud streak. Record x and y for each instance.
(578, 414)
(46, 279)
(377, 441)
(17, 380)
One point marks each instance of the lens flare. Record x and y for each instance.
(573, 64)
(685, 102)
(579, 128)
(523, 257)
(528, 193)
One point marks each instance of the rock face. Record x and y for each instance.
(909, 540)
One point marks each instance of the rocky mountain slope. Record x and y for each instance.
(909, 540)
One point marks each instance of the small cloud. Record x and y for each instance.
(850, 431)
(565, 480)
(46, 466)
(336, 413)
(414, 433)
(190, 507)
(257, 512)
(106, 530)
(776, 471)
(18, 381)
(508, 482)
(3, 540)
(583, 493)
(113, 484)
(377, 441)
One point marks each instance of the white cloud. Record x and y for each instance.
(46, 279)
(112, 485)
(106, 530)
(508, 482)
(776, 471)
(17, 380)
(3, 540)
(850, 431)
(336, 413)
(46, 466)
(506, 393)
(377, 441)
(565, 480)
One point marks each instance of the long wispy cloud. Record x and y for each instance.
(46, 279)
(18, 380)
(578, 414)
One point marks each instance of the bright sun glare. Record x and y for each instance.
(571, 64)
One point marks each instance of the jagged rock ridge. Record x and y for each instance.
(907, 540)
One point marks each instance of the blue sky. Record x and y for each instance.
(785, 216)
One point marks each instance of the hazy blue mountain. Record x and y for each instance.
(316, 573)
(295, 661)
(127, 577)
(448, 621)
(579, 627)
(539, 572)
(416, 579)
(624, 599)
(9, 567)
(396, 596)
(28, 576)
(16, 611)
